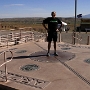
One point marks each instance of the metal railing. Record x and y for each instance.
(78, 38)
(5, 62)
(14, 38)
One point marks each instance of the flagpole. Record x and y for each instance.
(74, 32)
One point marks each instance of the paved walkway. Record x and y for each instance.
(31, 69)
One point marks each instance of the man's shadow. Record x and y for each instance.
(23, 57)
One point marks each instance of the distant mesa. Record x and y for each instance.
(86, 16)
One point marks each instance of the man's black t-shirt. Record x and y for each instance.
(52, 23)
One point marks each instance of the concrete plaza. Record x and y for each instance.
(31, 69)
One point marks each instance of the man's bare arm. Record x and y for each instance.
(60, 28)
(45, 26)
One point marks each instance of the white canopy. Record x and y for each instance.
(64, 26)
(64, 23)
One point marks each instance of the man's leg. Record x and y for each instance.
(54, 46)
(55, 53)
(54, 41)
(49, 39)
(49, 46)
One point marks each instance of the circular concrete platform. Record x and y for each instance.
(87, 61)
(66, 48)
(29, 67)
(21, 51)
(62, 56)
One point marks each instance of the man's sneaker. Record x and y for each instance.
(48, 54)
(55, 54)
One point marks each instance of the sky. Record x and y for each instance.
(42, 8)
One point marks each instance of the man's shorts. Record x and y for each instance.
(52, 36)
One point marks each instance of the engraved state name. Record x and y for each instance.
(33, 82)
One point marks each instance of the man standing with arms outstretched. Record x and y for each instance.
(52, 30)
